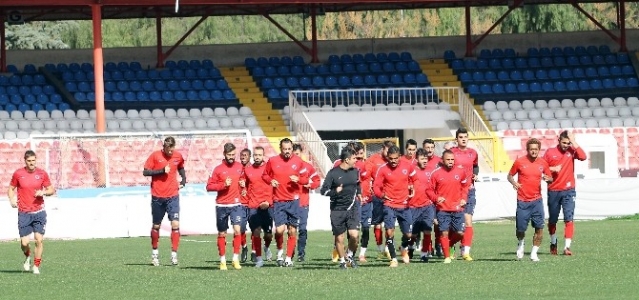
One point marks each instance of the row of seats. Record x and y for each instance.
(22, 79)
(346, 81)
(24, 90)
(125, 66)
(565, 123)
(151, 74)
(556, 86)
(149, 86)
(535, 52)
(131, 114)
(490, 106)
(541, 74)
(23, 107)
(215, 95)
(537, 62)
(345, 106)
(560, 114)
(336, 69)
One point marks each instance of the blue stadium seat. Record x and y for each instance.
(349, 68)
(584, 85)
(358, 59)
(190, 73)
(167, 96)
(578, 73)
(596, 84)
(298, 60)
(566, 73)
(490, 75)
(627, 70)
(502, 76)
(222, 84)
(632, 82)
(29, 99)
(516, 75)
(396, 79)
(197, 85)
(50, 107)
(534, 62)
(407, 57)
(266, 83)
(383, 80)
(64, 106)
(344, 82)
(323, 70)
(24, 90)
(72, 87)
(90, 96)
(250, 62)
(155, 96)
(457, 65)
(310, 70)
(335, 69)
(498, 88)
(478, 76)
(494, 63)
(482, 64)
(274, 61)
(331, 82)
(620, 82)
(394, 57)
(229, 95)
(204, 95)
(473, 89)
(556, 51)
(572, 85)
(292, 82)
(55, 98)
(568, 51)
(256, 72)
(603, 71)
(184, 85)
(278, 82)
(449, 55)
(522, 87)
(375, 68)
(305, 82)
(598, 60)
(130, 96)
(382, 57)
(486, 89)
(615, 70)
(141, 96)
(84, 86)
(370, 57)
(42, 99)
(593, 50)
(286, 61)
(370, 80)
(610, 59)
(334, 59)
(318, 81)
(283, 71)
(547, 86)
(179, 95)
(622, 58)
(297, 71)
(554, 74)
(535, 87)
(357, 81)
(559, 86)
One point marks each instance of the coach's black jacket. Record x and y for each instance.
(349, 180)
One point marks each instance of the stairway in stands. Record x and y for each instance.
(440, 74)
(249, 95)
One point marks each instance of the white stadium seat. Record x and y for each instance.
(340, 107)
(604, 123)
(586, 113)
(201, 124)
(225, 123)
(547, 114)
(17, 115)
(188, 124)
(88, 125)
(232, 111)
(125, 125)
(560, 113)
(514, 105)
(629, 122)
(150, 125)
(432, 106)
(257, 131)
(553, 124)
(250, 122)
(625, 112)
(138, 125)
(145, 114)
(4, 115)
(326, 107)
(619, 102)
(392, 106)
(444, 105)
(49, 125)
(245, 111)
(541, 104)
(113, 125)
(24, 125)
(527, 125)
(60, 125)
(616, 122)
(581, 103)
(567, 103)
(592, 123)
(82, 114)
(534, 115)
(163, 125)
(213, 123)
(11, 125)
(606, 102)
(528, 105)
(379, 107)
(565, 124)
(572, 113)
(514, 125)
(120, 114)
(578, 123)
(508, 115)
(22, 135)
(182, 113)
(75, 125)
(352, 107)
(635, 111)
(37, 125)
(521, 115)
(170, 113)
(175, 124)
(598, 112)
(541, 124)
(593, 102)
(207, 112)
(554, 104)
(632, 101)
(489, 106)
(501, 126)
(30, 115)
(157, 113)
(495, 116)
(612, 112)
(57, 114)
(43, 115)
(10, 135)
(502, 105)
(238, 123)
(195, 112)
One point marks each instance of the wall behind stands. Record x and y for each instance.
(234, 55)
(130, 215)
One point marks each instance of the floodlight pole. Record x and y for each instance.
(3, 46)
(98, 68)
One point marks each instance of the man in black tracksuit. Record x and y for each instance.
(342, 186)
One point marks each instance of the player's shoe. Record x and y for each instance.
(362, 258)
(259, 263)
(36, 270)
(567, 252)
(236, 265)
(301, 258)
(268, 254)
(288, 264)
(155, 260)
(174, 259)
(253, 257)
(438, 251)
(223, 266)
(424, 258)
(342, 266)
(244, 254)
(27, 264)
(448, 260)
(335, 256)
(394, 263)
(452, 253)
(534, 258)
(280, 262)
(467, 257)
(405, 257)
(353, 264)
(520, 253)
(553, 249)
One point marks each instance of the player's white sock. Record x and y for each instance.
(349, 253)
(222, 259)
(553, 239)
(288, 259)
(520, 244)
(342, 260)
(362, 251)
(380, 248)
(385, 248)
(236, 256)
(533, 253)
(466, 250)
(280, 253)
(173, 254)
(568, 242)
(155, 252)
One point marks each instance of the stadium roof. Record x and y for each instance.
(42, 10)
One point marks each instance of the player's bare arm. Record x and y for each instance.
(511, 179)
(182, 173)
(573, 141)
(13, 200)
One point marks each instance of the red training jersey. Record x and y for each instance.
(452, 185)
(313, 181)
(421, 183)
(393, 183)
(467, 158)
(281, 169)
(411, 161)
(565, 178)
(433, 163)
(257, 190)
(165, 185)
(226, 195)
(27, 183)
(244, 198)
(373, 163)
(529, 175)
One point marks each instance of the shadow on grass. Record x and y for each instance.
(138, 264)
(13, 271)
(496, 259)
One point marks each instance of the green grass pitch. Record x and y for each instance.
(604, 266)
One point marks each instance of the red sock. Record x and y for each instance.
(427, 243)
(267, 240)
(378, 235)
(570, 230)
(175, 239)
(279, 241)
(443, 240)
(243, 239)
(27, 253)
(257, 245)
(155, 238)
(221, 245)
(552, 228)
(236, 244)
(467, 240)
(37, 261)
(291, 243)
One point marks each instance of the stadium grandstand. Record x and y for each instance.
(503, 93)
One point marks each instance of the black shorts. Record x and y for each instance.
(165, 206)
(343, 220)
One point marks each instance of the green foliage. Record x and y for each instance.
(331, 26)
